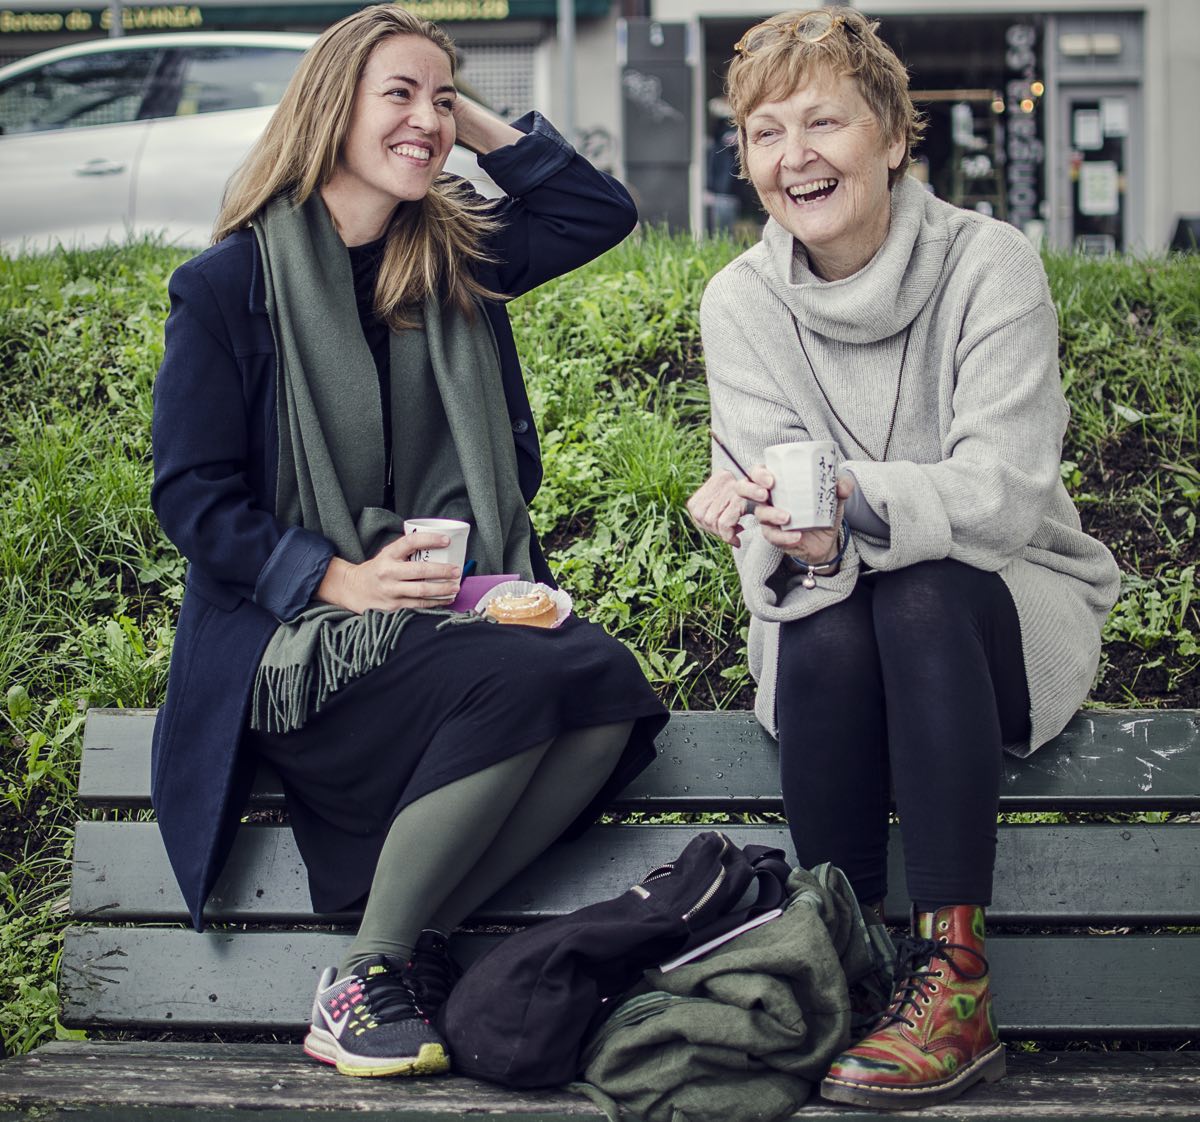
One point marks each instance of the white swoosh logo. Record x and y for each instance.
(336, 1026)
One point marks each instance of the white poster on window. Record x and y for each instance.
(1087, 131)
(1098, 193)
(1114, 116)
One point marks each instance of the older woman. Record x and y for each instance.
(338, 362)
(955, 609)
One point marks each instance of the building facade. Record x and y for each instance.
(1073, 119)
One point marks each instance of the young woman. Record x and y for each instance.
(340, 361)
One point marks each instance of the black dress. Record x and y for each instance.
(449, 702)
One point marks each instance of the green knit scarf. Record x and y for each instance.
(331, 451)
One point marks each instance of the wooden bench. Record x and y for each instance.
(1084, 944)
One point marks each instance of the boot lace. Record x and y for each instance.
(915, 964)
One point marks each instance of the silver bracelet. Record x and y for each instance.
(811, 572)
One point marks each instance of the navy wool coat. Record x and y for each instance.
(215, 449)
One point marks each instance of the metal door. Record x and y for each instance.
(1100, 164)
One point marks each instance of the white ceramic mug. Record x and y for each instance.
(453, 554)
(805, 474)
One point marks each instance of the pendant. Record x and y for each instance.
(809, 581)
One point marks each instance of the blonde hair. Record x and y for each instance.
(431, 242)
(782, 53)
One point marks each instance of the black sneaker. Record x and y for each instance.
(367, 1023)
(431, 973)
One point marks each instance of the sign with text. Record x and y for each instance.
(1024, 148)
(267, 16)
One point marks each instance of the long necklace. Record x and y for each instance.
(895, 404)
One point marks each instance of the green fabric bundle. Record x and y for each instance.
(745, 1031)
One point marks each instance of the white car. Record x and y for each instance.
(137, 136)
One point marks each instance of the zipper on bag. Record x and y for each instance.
(712, 889)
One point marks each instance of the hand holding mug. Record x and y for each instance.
(392, 579)
(812, 546)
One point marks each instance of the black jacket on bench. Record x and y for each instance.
(215, 451)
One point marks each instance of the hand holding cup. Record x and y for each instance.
(454, 552)
(398, 576)
(812, 546)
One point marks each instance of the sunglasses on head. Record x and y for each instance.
(811, 28)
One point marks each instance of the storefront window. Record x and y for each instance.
(980, 82)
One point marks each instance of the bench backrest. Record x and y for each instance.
(1081, 916)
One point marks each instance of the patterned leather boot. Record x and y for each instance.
(938, 1037)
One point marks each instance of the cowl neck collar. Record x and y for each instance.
(886, 294)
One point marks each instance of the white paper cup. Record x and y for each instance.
(805, 474)
(453, 554)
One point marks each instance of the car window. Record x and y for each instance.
(212, 79)
(103, 88)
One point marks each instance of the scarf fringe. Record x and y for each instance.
(285, 696)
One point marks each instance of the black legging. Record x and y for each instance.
(918, 673)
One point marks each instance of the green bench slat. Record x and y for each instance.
(121, 874)
(1047, 986)
(1125, 874)
(724, 761)
(167, 1082)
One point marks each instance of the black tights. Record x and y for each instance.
(915, 680)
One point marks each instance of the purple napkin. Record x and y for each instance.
(473, 588)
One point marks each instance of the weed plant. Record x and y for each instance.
(89, 587)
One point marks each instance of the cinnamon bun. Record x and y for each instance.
(534, 610)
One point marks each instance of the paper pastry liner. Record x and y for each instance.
(562, 600)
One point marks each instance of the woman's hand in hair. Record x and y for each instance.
(391, 580)
(480, 129)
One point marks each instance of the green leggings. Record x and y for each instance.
(448, 852)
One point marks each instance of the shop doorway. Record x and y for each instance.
(1098, 169)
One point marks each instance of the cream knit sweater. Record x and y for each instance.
(973, 470)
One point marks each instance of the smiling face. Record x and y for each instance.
(401, 131)
(820, 163)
